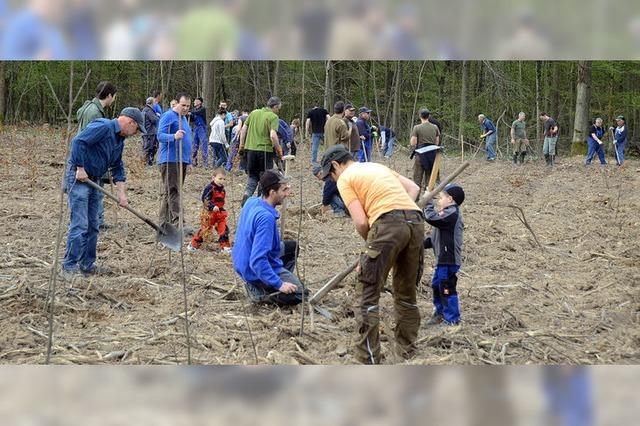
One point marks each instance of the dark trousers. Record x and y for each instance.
(422, 169)
(257, 163)
(150, 147)
(170, 202)
(394, 241)
(261, 293)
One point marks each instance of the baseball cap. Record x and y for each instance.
(149, 100)
(456, 192)
(363, 109)
(349, 107)
(620, 117)
(316, 170)
(335, 153)
(136, 115)
(269, 179)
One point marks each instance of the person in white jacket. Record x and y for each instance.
(218, 139)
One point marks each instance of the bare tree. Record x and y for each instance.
(583, 98)
(209, 86)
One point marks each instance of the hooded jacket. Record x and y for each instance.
(89, 111)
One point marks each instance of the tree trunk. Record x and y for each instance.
(328, 83)
(396, 97)
(276, 76)
(583, 98)
(537, 121)
(463, 98)
(2, 93)
(209, 88)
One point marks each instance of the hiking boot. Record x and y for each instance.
(339, 214)
(104, 226)
(515, 158)
(191, 248)
(522, 154)
(435, 319)
(226, 250)
(547, 158)
(96, 270)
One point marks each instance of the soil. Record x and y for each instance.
(571, 297)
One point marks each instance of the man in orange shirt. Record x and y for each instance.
(382, 207)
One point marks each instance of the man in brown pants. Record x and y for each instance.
(422, 135)
(173, 131)
(380, 202)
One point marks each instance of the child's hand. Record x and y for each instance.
(216, 209)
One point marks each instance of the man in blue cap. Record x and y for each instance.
(95, 150)
(366, 135)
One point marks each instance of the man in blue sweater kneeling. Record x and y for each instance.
(262, 260)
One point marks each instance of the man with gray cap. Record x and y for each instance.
(150, 140)
(382, 208)
(95, 150)
(259, 142)
(366, 134)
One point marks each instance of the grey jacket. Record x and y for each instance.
(447, 234)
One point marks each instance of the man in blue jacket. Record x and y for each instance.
(620, 139)
(489, 131)
(200, 141)
(260, 258)
(95, 150)
(173, 131)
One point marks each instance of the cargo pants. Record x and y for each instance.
(394, 241)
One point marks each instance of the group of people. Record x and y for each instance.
(520, 142)
(382, 204)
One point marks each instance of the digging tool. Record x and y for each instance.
(615, 144)
(428, 196)
(435, 170)
(283, 216)
(167, 235)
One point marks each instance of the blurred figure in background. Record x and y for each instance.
(568, 396)
(82, 30)
(36, 33)
(527, 40)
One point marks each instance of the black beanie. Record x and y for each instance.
(456, 192)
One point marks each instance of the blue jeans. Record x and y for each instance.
(338, 205)
(367, 145)
(619, 147)
(200, 141)
(445, 295)
(82, 238)
(491, 144)
(316, 140)
(593, 148)
(220, 154)
(261, 293)
(387, 150)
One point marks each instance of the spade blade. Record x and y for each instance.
(169, 236)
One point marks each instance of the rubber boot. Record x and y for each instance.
(522, 154)
(515, 158)
(451, 312)
(547, 158)
(437, 301)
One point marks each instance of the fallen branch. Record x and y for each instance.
(522, 218)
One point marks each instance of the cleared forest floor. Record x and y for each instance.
(575, 299)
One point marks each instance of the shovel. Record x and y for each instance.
(167, 235)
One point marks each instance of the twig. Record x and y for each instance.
(522, 218)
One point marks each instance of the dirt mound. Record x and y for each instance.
(571, 297)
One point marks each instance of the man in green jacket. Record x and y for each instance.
(92, 110)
